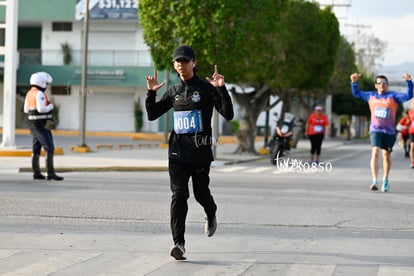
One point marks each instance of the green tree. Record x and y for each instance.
(321, 44)
(345, 65)
(344, 103)
(271, 45)
(214, 29)
(300, 47)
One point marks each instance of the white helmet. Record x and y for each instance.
(41, 79)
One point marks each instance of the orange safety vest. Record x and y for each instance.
(32, 105)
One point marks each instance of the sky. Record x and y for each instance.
(391, 21)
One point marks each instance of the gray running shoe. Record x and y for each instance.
(178, 251)
(210, 227)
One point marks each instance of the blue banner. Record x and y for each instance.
(108, 9)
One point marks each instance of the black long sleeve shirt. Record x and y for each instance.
(191, 95)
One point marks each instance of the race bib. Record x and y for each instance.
(187, 122)
(318, 128)
(382, 112)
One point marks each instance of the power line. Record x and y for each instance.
(343, 5)
(334, 5)
(357, 25)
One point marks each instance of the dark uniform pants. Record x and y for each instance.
(41, 137)
(180, 174)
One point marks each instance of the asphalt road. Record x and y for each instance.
(289, 219)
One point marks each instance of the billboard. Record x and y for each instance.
(108, 9)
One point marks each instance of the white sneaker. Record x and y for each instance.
(210, 227)
(178, 252)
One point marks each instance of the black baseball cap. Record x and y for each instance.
(184, 52)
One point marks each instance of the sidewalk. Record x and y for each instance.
(119, 154)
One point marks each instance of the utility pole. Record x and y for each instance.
(84, 92)
(215, 132)
(328, 98)
(10, 66)
(167, 116)
(357, 40)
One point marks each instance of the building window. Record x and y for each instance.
(54, 90)
(62, 26)
(2, 36)
(61, 90)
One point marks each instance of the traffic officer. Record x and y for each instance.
(190, 152)
(39, 110)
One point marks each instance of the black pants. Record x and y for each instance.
(180, 174)
(406, 143)
(316, 143)
(42, 137)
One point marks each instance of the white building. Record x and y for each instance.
(118, 61)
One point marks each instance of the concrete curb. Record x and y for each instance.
(159, 137)
(101, 169)
(27, 152)
(131, 135)
(135, 168)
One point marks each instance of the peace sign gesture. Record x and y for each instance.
(218, 80)
(152, 82)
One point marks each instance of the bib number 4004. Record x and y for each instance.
(187, 122)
